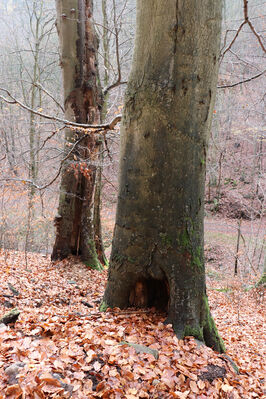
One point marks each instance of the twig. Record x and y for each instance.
(237, 246)
(257, 35)
(39, 86)
(109, 182)
(245, 246)
(50, 137)
(234, 39)
(242, 81)
(244, 61)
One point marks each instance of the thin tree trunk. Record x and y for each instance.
(98, 185)
(157, 255)
(33, 131)
(78, 42)
(97, 213)
(262, 280)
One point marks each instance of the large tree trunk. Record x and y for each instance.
(78, 44)
(157, 255)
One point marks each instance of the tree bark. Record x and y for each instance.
(157, 255)
(83, 101)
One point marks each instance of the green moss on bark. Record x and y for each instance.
(120, 259)
(184, 240)
(194, 332)
(166, 241)
(206, 331)
(91, 259)
(95, 265)
(103, 307)
(262, 280)
(196, 261)
(210, 332)
(186, 245)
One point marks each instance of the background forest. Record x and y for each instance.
(32, 147)
(32, 158)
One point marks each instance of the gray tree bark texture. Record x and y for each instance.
(157, 254)
(83, 101)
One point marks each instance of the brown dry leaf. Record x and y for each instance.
(182, 395)
(181, 379)
(79, 375)
(132, 391)
(97, 366)
(48, 379)
(113, 373)
(167, 378)
(218, 385)
(100, 386)
(13, 390)
(140, 370)
(201, 384)
(186, 372)
(87, 387)
(52, 389)
(143, 394)
(227, 388)
(88, 335)
(90, 355)
(194, 387)
(58, 365)
(110, 342)
(37, 393)
(76, 387)
(128, 375)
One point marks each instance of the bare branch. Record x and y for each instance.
(234, 39)
(242, 81)
(30, 182)
(244, 61)
(112, 86)
(257, 35)
(246, 21)
(80, 126)
(118, 82)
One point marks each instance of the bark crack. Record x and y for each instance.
(152, 255)
(153, 269)
(176, 25)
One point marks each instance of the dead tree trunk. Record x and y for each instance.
(83, 101)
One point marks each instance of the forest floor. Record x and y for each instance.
(61, 346)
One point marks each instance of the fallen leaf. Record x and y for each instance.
(182, 395)
(227, 388)
(201, 384)
(97, 366)
(194, 387)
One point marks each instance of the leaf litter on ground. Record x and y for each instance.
(61, 348)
